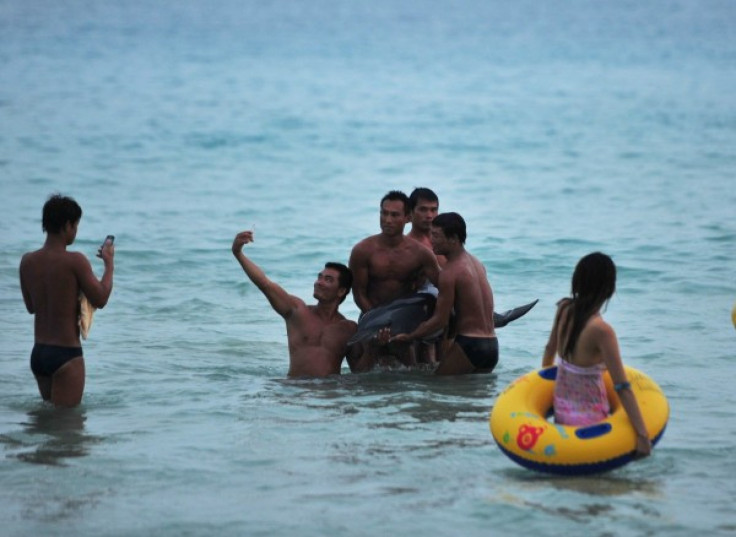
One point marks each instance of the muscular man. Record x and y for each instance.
(51, 280)
(463, 285)
(317, 334)
(390, 266)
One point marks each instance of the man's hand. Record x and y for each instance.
(106, 252)
(382, 337)
(241, 239)
(401, 338)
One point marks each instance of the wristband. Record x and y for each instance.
(622, 386)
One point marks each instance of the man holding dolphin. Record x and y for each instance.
(463, 288)
(390, 266)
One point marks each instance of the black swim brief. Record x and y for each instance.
(47, 359)
(481, 351)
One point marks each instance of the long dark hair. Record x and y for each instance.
(593, 283)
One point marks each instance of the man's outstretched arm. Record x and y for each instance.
(279, 299)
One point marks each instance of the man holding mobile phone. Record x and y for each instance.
(317, 334)
(51, 280)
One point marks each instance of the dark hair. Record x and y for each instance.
(421, 193)
(593, 284)
(397, 195)
(452, 225)
(345, 278)
(57, 211)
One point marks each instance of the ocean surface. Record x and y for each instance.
(555, 128)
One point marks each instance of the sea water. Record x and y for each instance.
(554, 128)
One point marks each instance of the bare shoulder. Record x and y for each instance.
(480, 267)
(346, 329)
(78, 261)
(364, 247)
(419, 247)
(562, 312)
(598, 327)
(349, 326)
(421, 254)
(45, 258)
(30, 257)
(368, 242)
(25, 260)
(298, 304)
(450, 273)
(77, 257)
(563, 303)
(295, 310)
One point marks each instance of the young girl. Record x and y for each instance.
(587, 346)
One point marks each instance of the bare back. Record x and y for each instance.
(592, 341)
(473, 296)
(51, 291)
(51, 280)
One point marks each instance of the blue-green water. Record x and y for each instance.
(554, 128)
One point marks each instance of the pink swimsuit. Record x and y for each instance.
(580, 394)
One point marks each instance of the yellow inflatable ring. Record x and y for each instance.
(520, 427)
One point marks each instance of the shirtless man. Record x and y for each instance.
(424, 205)
(318, 334)
(389, 265)
(463, 285)
(51, 280)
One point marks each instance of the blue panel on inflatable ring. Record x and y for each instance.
(549, 373)
(594, 431)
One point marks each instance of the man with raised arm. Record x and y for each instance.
(51, 280)
(317, 334)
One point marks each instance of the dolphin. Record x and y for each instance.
(405, 314)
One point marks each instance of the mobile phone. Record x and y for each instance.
(109, 239)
